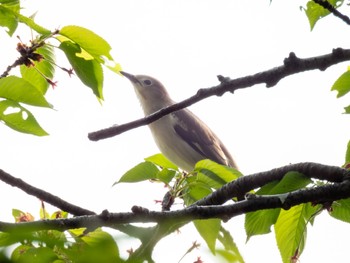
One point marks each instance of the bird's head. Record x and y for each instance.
(152, 94)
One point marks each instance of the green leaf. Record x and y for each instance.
(347, 110)
(215, 175)
(92, 43)
(195, 190)
(166, 175)
(341, 210)
(290, 230)
(59, 214)
(315, 12)
(229, 256)
(209, 231)
(231, 252)
(342, 84)
(290, 182)
(13, 5)
(260, 222)
(141, 172)
(25, 253)
(30, 22)
(10, 16)
(101, 247)
(45, 66)
(8, 19)
(20, 90)
(7, 239)
(89, 71)
(20, 119)
(160, 160)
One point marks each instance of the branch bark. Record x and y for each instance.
(209, 207)
(322, 194)
(43, 195)
(271, 77)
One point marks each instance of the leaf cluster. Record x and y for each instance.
(86, 52)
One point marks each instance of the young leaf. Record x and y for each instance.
(89, 71)
(195, 190)
(96, 246)
(7, 239)
(7, 19)
(20, 90)
(141, 172)
(260, 222)
(347, 110)
(25, 253)
(209, 231)
(10, 16)
(290, 182)
(160, 160)
(290, 230)
(341, 210)
(92, 43)
(215, 175)
(45, 66)
(231, 252)
(342, 84)
(30, 22)
(315, 12)
(20, 119)
(166, 175)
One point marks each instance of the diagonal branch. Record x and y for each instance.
(43, 195)
(271, 77)
(328, 6)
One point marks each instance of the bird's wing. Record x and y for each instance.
(201, 138)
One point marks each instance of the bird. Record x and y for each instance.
(181, 136)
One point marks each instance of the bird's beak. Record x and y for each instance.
(129, 76)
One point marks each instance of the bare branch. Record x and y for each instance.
(271, 77)
(44, 196)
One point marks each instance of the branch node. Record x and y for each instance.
(105, 214)
(338, 52)
(291, 61)
(139, 210)
(223, 79)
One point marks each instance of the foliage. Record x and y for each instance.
(87, 54)
(57, 246)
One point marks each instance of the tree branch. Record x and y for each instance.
(244, 184)
(44, 196)
(209, 207)
(326, 193)
(326, 5)
(271, 77)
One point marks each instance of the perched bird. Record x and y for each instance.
(181, 136)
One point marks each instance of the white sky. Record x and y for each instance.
(185, 44)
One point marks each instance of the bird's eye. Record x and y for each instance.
(147, 82)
